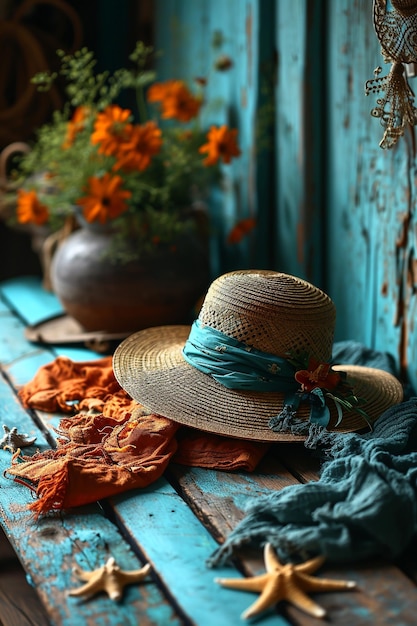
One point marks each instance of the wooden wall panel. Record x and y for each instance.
(193, 36)
(299, 138)
(371, 227)
(332, 206)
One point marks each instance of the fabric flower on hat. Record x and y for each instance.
(318, 375)
(320, 386)
(319, 380)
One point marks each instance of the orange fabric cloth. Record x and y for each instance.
(198, 449)
(97, 457)
(112, 444)
(65, 386)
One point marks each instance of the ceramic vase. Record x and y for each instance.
(161, 287)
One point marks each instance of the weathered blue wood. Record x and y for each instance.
(354, 237)
(221, 497)
(371, 198)
(298, 140)
(29, 299)
(51, 546)
(200, 598)
(162, 528)
(12, 346)
(355, 224)
(178, 545)
(3, 309)
(33, 304)
(343, 212)
(193, 36)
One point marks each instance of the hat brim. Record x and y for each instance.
(149, 365)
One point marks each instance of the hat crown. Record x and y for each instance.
(272, 312)
(406, 8)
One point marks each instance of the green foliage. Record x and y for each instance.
(159, 195)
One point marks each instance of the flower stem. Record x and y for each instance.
(141, 105)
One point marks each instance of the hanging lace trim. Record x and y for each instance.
(397, 33)
(395, 108)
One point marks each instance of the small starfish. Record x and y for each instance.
(109, 578)
(12, 440)
(286, 582)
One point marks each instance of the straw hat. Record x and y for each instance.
(249, 320)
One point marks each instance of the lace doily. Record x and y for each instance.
(395, 25)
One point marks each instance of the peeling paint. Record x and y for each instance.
(249, 45)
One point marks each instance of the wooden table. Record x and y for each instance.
(174, 524)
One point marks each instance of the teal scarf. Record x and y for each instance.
(364, 505)
(236, 365)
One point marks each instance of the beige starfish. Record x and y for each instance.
(12, 440)
(286, 582)
(109, 578)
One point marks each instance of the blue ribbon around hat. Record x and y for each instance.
(237, 366)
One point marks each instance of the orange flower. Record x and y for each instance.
(159, 91)
(105, 200)
(221, 145)
(111, 129)
(318, 375)
(29, 209)
(136, 154)
(241, 229)
(176, 99)
(76, 123)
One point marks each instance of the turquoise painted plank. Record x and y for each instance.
(4, 309)
(178, 545)
(291, 49)
(51, 546)
(193, 36)
(29, 299)
(299, 142)
(330, 166)
(371, 198)
(354, 235)
(23, 366)
(13, 345)
(22, 359)
(222, 497)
